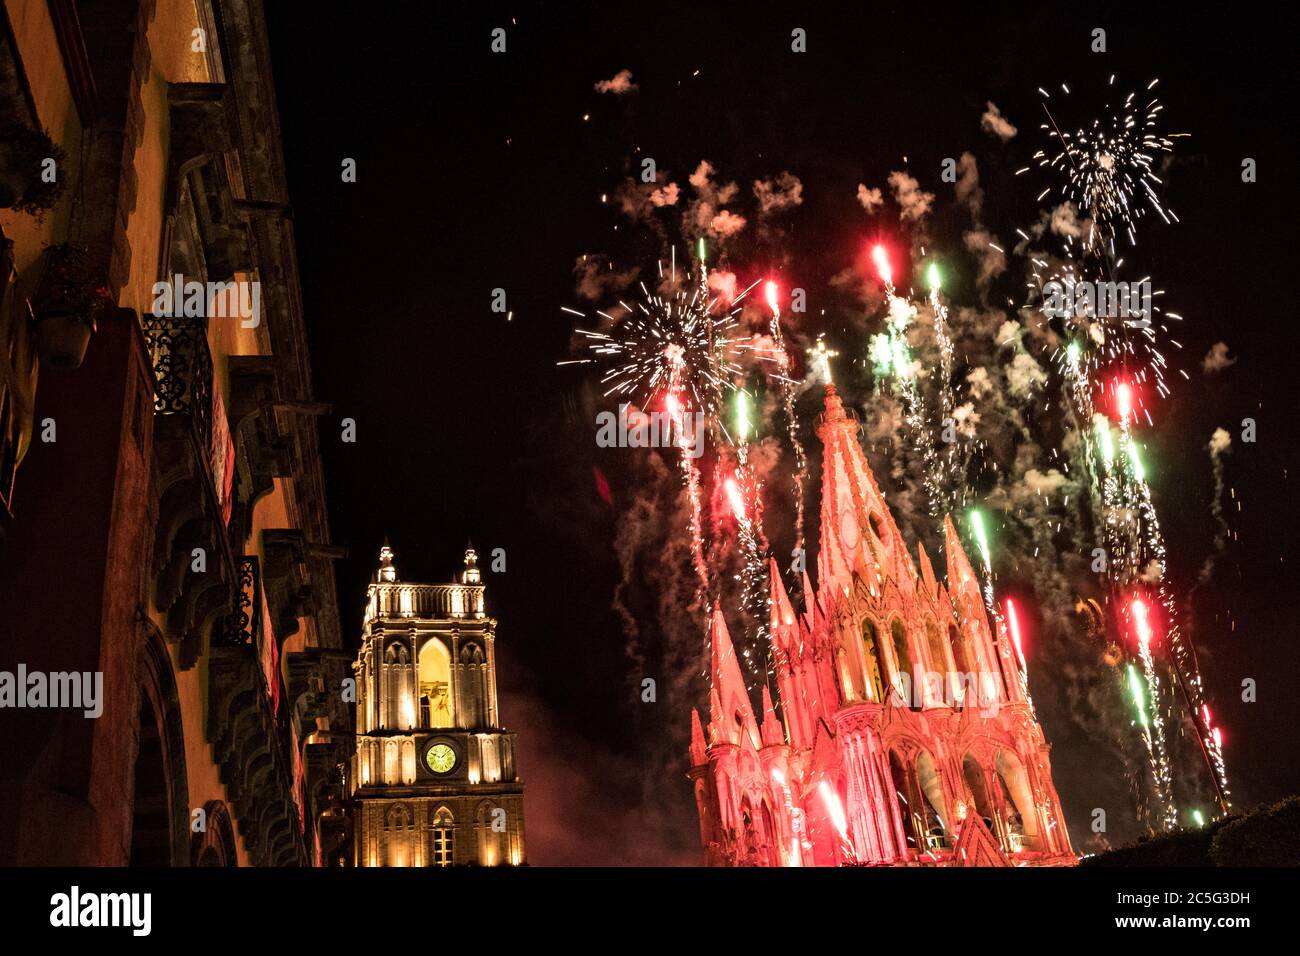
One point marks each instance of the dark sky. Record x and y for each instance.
(477, 171)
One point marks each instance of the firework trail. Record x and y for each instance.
(788, 386)
(679, 345)
(673, 344)
(1105, 170)
(1220, 445)
(891, 357)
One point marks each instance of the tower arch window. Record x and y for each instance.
(443, 836)
(435, 685)
(491, 842)
(474, 693)
(871, 661)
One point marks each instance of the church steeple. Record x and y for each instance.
(857, 527)
(471, 575)
(387, 573)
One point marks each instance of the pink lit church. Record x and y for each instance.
(905, 736)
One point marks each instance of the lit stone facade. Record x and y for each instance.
(434, 778)
(905, 736)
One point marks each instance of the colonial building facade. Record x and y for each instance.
(905, 736)
(162, 510)
(433, 778)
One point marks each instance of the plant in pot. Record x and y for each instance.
(23, 155)
(67, 303)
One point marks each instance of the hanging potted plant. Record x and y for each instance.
(68, 300)
(23, 155)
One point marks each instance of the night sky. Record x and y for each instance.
(477, 171)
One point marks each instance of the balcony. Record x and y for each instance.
(193, 461)
(182, 368)
(433, 601)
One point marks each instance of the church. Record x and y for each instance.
(433, 778)
(905, 734)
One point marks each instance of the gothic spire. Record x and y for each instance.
(731, 710)
(387, 573)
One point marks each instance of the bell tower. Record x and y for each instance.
(433, 779)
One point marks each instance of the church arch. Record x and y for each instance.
(160, 832)
(214, 845)
(474, 692)
(904, 797)
(442, 838)
(871, 661)
(435, 695)
(905, 672)
(935, 808)
(1018, 799)
(491, 844)
(977, 791)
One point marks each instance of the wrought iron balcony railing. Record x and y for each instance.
(241, 626)
(182, 368)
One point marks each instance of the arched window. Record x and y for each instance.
(871, 661)
(399, 824)
(491, 842)
(938, 658)
(904, 678)
(977, 791)
(398, 817)
(1018, 802)
(965, 682)
(474, 693)
(771, 838)
(444, 838)
(759, 835)
(901, 790)
(934, 811)
(435, 685)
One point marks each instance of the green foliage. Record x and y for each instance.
(1266, 836)
(69, 284)
(1270, 836)
(26, 150)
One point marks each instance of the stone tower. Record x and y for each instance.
(434, 781)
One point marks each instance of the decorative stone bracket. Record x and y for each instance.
(252, 754)
(286, 578)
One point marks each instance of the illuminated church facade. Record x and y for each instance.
(905, 736)
(434, 781)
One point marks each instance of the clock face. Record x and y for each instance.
(440, 758)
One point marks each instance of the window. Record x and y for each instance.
(901, 790)
(444, 838)
(934, 810)
(435, 684)
(903, 659)
(938, 660)
(871, 661)
(1018, 802)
